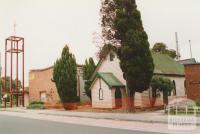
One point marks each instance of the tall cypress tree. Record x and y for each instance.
(123, 20)
(88, 70)
(64, 75)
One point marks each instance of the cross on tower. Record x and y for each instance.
(14, 27)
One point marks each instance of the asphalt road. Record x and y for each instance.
(16, 125)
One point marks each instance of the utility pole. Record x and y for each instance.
(190, 44)
(178, 56)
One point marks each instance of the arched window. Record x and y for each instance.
(100, 94)
(174, 91)
(185, 87)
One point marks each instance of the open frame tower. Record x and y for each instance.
(14, 48)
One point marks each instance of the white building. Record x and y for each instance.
(108, 87)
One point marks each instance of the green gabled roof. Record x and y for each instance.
(166, 65)
(110, 80)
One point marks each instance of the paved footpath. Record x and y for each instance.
(31, 126)
(147, 117)
(150, 122)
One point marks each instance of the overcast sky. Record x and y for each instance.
(47, 25)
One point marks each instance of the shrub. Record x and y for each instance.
(36, 102)
(36, 106)
(162, 84)
(197, 103)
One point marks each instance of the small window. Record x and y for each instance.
(100, 94)
(112, 56)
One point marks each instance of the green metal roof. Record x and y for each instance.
(110, 80)
(166, 65)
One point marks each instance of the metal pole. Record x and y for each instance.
(23, 72)
(17, 76)
(0, 94)
(11, 62)
(5, 73)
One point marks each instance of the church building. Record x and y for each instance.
(109, 87)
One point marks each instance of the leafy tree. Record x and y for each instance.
(171, 53)
(106, 49)
(162, 48)
(88, 70)
(159, 47)
(107, 11)
(121, 22)
(164, 85)
(64, 76)
(8, 86)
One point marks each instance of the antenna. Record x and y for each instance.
(190, 44)
(177, 47)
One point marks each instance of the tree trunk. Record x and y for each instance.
(165, 99)
(130, 102)
(130, 107)
(153, 98)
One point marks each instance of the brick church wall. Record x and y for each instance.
(40, 82)
(192, 72)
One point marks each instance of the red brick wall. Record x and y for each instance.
(40, 81)
(192, 74)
